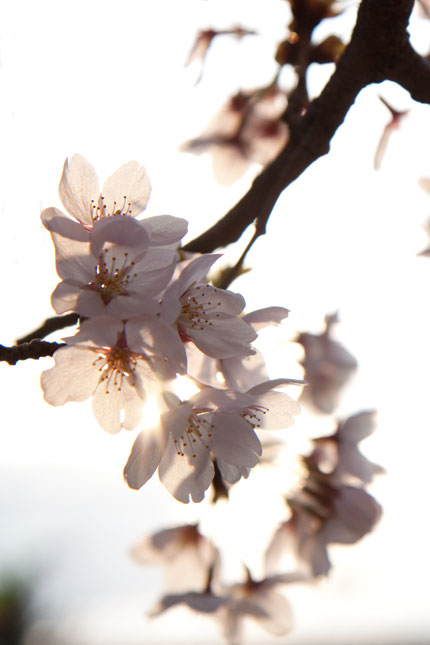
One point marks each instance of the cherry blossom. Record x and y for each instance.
(229, 606)
(323, 512)
(118, 364)
(185, 553)
(212, 424)
(115, 272)
(206, 315)
(248, 129)
(349, 465)
(328, 366)
(260, 600)
(125, 192)
(237, 372)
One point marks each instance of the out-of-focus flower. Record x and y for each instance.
(204, 40)
(116, 272)
(185, 553)
(249, 129)
(323, 512)
(206, 315)
(260, 600)
(117, 363)
(212, 424)
(328, 366)
(348, 464)
(229, 606)
(393, 125)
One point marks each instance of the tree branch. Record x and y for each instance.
(379, 46)
(36, 349)
(55, 323)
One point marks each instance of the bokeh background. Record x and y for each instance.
(107, 79)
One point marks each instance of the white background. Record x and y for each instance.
(107, 79)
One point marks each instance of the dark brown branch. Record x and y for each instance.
(379, 46)
(55, 323)
(414, 75)
(36, 349)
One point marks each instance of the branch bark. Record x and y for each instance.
(379, 50)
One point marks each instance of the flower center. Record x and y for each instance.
(196, 303)
(253, 415)
(99, 209)
(112, 276)
(198, 430)
(116, 362)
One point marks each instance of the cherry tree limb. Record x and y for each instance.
(36, 349)
(379, 50)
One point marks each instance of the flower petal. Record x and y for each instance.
(144, 458)
(128, 185)
(165, 229)
(186, 476)
(56, 222)
(234, 441)
(78, 187)
(73, 378)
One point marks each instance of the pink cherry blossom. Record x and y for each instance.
(185, 553)
(116, 363)
(212, 424)
(238, 372)
(323, 512)
(116, 272)
(125, 192)
(206, 315)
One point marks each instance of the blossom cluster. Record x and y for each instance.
(148, 315)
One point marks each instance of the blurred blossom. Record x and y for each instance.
(393, 125)
(248, 129)
(323, 511)
(185, 553)
(260, 600)
(347, 463)
(328, 366)
(204, 40)
(256, 599)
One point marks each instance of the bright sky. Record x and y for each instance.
(106, 79)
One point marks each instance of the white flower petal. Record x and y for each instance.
(115, 395)
(224, 337)
(73, 378)
(165, 229)
(268, 316)
(65, 297)
(234, 441)
(144, 458)
(56, 222)
(78, 186)
(118, 230)
(130, 185)
(196, 270)
(186, 476)
(280, 410)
